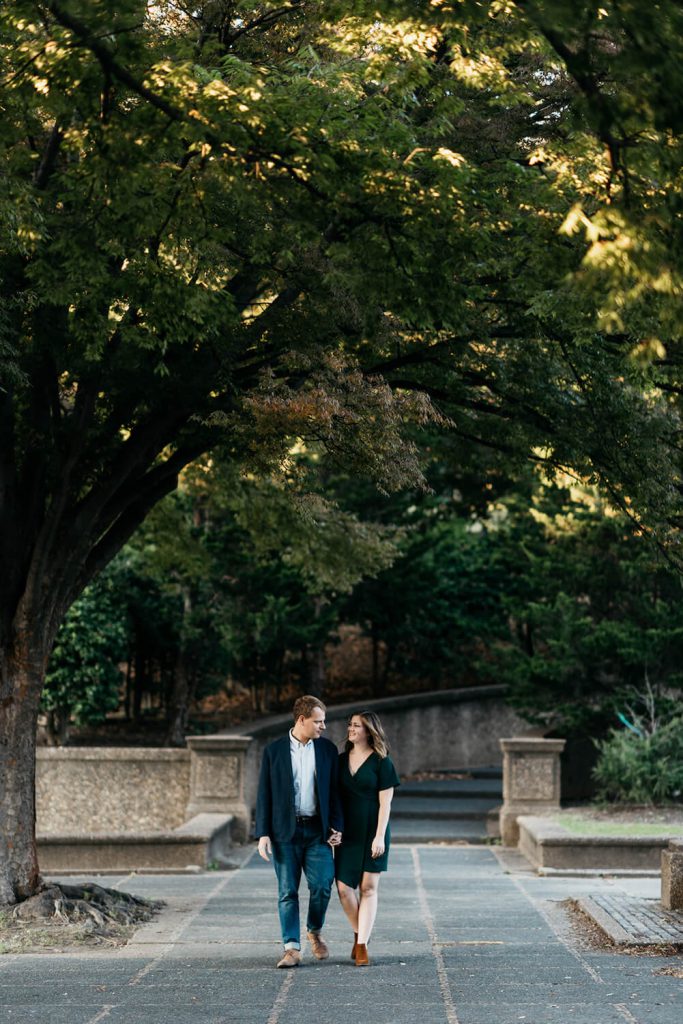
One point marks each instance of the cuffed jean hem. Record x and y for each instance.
(293, 945)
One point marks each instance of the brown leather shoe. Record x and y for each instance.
(355, 945)
(292, 958)
(362, 958)
(318, 945)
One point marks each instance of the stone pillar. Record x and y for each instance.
(672, 876)
(531, 781)
(217, 779)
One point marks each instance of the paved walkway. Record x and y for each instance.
(458, 941)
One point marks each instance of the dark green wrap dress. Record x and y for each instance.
(360, 801)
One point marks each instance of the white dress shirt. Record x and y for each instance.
(303, 770)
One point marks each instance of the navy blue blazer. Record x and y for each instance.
(275, 815)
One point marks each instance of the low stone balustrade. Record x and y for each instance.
(672, 875)
(531, 781)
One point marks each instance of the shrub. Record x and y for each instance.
(641, 769)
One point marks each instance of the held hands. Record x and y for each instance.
(377, 848)
(265, 848)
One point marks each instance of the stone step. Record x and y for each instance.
(432, 830)
(204, 840)
(461, 808)
(456, 789)
(491, 771)
(421, 807)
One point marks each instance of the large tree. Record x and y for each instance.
(253, 222)
(188, 222)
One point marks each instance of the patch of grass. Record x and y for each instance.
(581, 826)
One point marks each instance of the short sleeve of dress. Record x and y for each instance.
(388, 777)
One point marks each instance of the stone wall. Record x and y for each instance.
(110, 789)
(426, 731)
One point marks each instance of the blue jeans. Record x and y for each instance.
(305, 850)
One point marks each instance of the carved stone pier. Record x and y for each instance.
(672, 875)
(217, 779)
(531, 781)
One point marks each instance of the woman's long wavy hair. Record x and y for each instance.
(376, 736)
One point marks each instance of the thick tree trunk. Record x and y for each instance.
(22, 671)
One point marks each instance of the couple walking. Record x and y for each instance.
(311, 801)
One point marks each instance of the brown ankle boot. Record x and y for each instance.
(355, 945)
(362, 958)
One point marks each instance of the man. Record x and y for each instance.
(298, 821)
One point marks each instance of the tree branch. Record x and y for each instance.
(264, 21)
(110, 64)
(49, 160)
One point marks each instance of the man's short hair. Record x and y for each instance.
(306, 705)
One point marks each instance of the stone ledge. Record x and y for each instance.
(195, 844)
(112, 754)
(276, 724)
(532, 745)
(546, 844)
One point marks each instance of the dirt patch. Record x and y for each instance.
(585, 932)
(668, 814)
(672, 971)
(62, 917)
(589, 936)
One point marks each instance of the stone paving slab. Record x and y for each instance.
(599, 873)
(63, 1015)
(457, 941)
(634, 922)
(540, 1013)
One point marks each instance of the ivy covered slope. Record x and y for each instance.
(255, 222)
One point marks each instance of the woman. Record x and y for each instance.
(367, 779)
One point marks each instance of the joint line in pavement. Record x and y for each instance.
(281, 999)
(625, 1013)
(171, 939)
(104, 1012)
(451, 1014)
(560, 938)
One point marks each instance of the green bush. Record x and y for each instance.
(641, 769)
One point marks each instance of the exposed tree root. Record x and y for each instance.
(68, 914)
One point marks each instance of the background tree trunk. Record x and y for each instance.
(58, 722)
(182, 687)
(180, 704)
